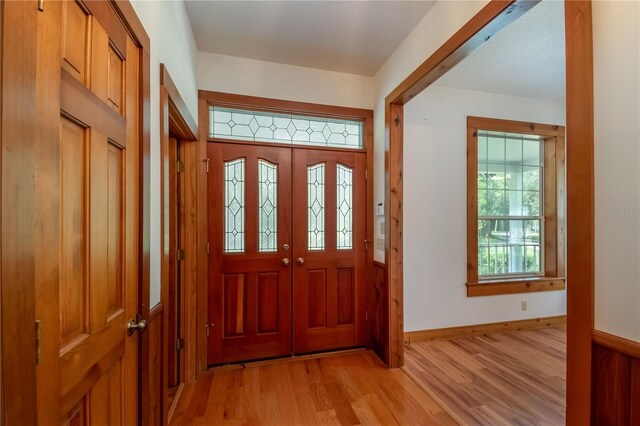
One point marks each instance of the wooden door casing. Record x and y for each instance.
(329, 284)
(249, 292)
(98, 207)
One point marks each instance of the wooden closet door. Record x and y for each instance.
(98, 208)
(329, 249)
(250, 259)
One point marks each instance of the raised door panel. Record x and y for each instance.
(75, 39)
(73, 232)
(317, 298)
(234, 305)
(268, 302)
(345, 292)
(115, 79)
(105, 398)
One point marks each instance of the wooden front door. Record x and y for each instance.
(98, 208)
(329, 250)
(250, 273)
(287, 236)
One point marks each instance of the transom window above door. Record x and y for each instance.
(282, 128)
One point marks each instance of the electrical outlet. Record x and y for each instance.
(524, 305)
(382, 227)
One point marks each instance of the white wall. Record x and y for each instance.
(438, 25)
(435, 210)
(172, 43)
(616, 34)
(252, 77)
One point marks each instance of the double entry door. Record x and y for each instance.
(287, 251)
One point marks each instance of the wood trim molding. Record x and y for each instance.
(482, 329)
(182, 125)
(553, 210)
(617, 343)
(281, 105)
(496, 15)
(483, 26)
(515, 286)
(580, 209)
(511, 126)
(579, 180)
(132, 23)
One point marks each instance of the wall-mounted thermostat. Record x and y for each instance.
(380, 209)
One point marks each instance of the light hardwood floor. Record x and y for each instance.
(342, 389)
(497, 379)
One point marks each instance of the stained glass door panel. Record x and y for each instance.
(329, 249)
(250, 274)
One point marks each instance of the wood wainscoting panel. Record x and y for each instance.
(615, 391)
(482, 329)
(377, 312)
(156, 411)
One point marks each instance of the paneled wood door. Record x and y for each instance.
(98, 208)
(329, 249)
(250, 273)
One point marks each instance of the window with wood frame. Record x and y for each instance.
(515, 207)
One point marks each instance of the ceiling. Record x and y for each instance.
(525, 59)
(347, 36)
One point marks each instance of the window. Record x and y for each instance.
(273, 127)
(315, 206)
(515, 199)
(234, 206)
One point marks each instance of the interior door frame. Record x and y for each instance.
(579, 181)
(207, 98)
(177, 126)
(23, 102)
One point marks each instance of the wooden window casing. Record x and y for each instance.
(553, 210)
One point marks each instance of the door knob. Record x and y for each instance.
(285, 261)
(133, 326)
(300, 261)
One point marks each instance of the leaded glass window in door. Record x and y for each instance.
(315, 206)
(344, 181)
(267, 206)
(234, 206)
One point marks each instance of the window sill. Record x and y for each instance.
(514, 286)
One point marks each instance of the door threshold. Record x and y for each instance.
(285, 358)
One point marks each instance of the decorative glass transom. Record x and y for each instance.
(345, 202)
(268, 206)
(261, 126)
(234, 206)
(510, 209)
(315, 179)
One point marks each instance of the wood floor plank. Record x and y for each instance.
(509, 378)
(353, 388)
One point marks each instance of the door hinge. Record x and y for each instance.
(366, 174)
(180, 255)
(38, 342)
(366, 244)
(206, 166)
(41, 5)
(366, 315)
(179, 166)
(179, 344)
(208, 247)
